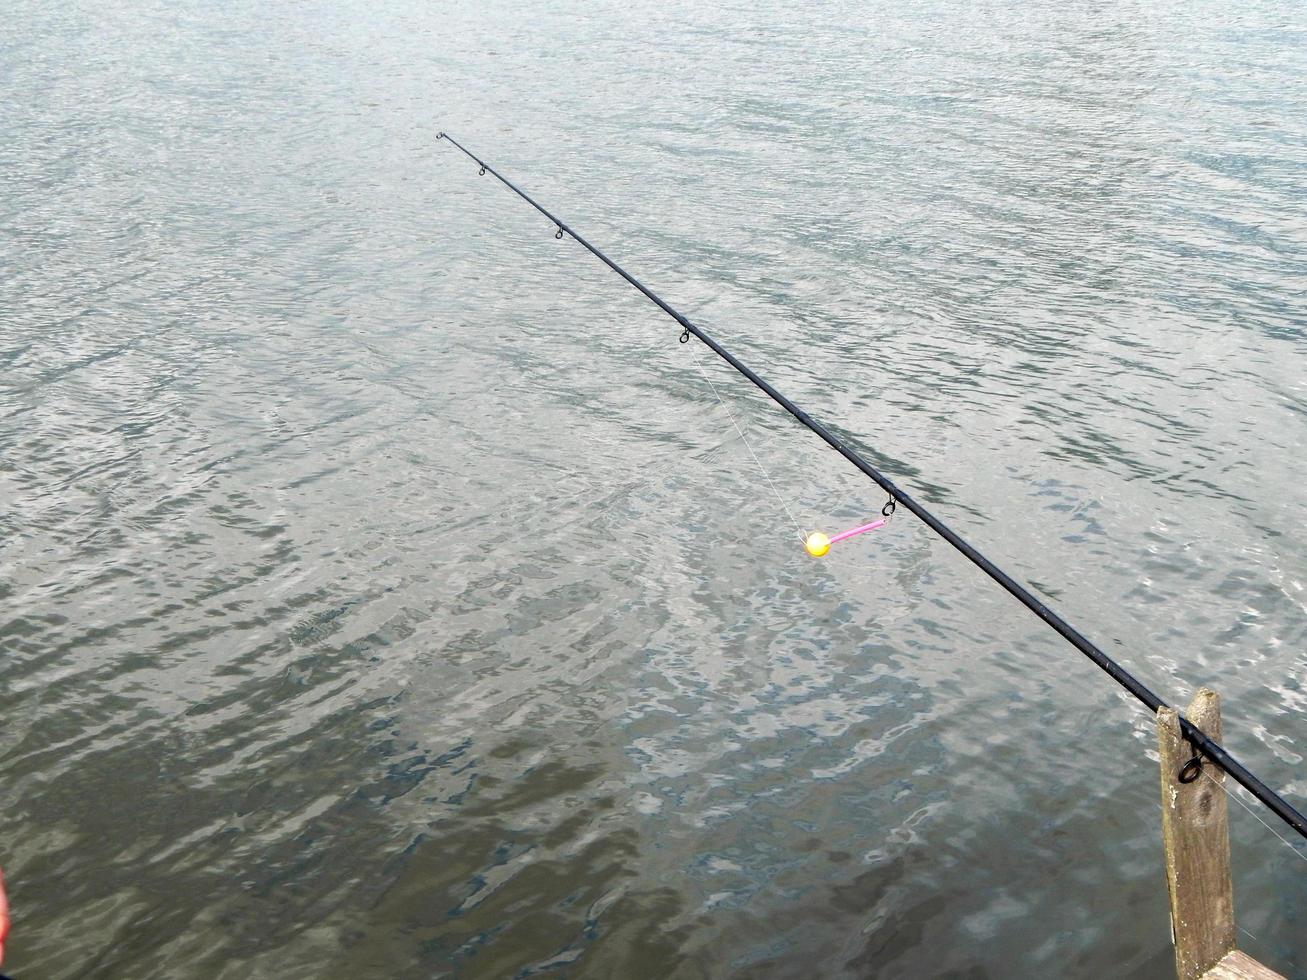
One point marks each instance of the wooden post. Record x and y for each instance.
(1196, 836)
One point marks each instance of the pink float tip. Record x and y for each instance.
(859, 530)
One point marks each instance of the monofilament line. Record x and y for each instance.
(745, 439)
(1256, 816)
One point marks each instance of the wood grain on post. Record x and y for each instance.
(1196, 835)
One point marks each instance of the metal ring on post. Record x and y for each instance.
(1191, 770)
(685, 336)
(481, 172)
(558, 233)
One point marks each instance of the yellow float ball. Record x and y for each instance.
(817, 544)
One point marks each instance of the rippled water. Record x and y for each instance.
(385, 593)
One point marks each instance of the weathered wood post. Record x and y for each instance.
(1196, 836)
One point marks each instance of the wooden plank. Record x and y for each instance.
(1240, 966)
(1195, 832)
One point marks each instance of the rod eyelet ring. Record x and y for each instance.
(888, 509)
(685, 335)
(558, 233)
(440, 135)
(1191, 770)
(481, 172)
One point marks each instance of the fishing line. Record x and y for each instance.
(1205, 746)
(1256, 816)
(745, 439)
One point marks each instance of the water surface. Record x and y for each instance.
(384, 592)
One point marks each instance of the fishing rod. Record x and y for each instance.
(1202, 744)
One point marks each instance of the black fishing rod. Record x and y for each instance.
(1201, 743)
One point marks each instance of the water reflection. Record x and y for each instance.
(385, 594)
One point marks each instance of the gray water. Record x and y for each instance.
(385, 593)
